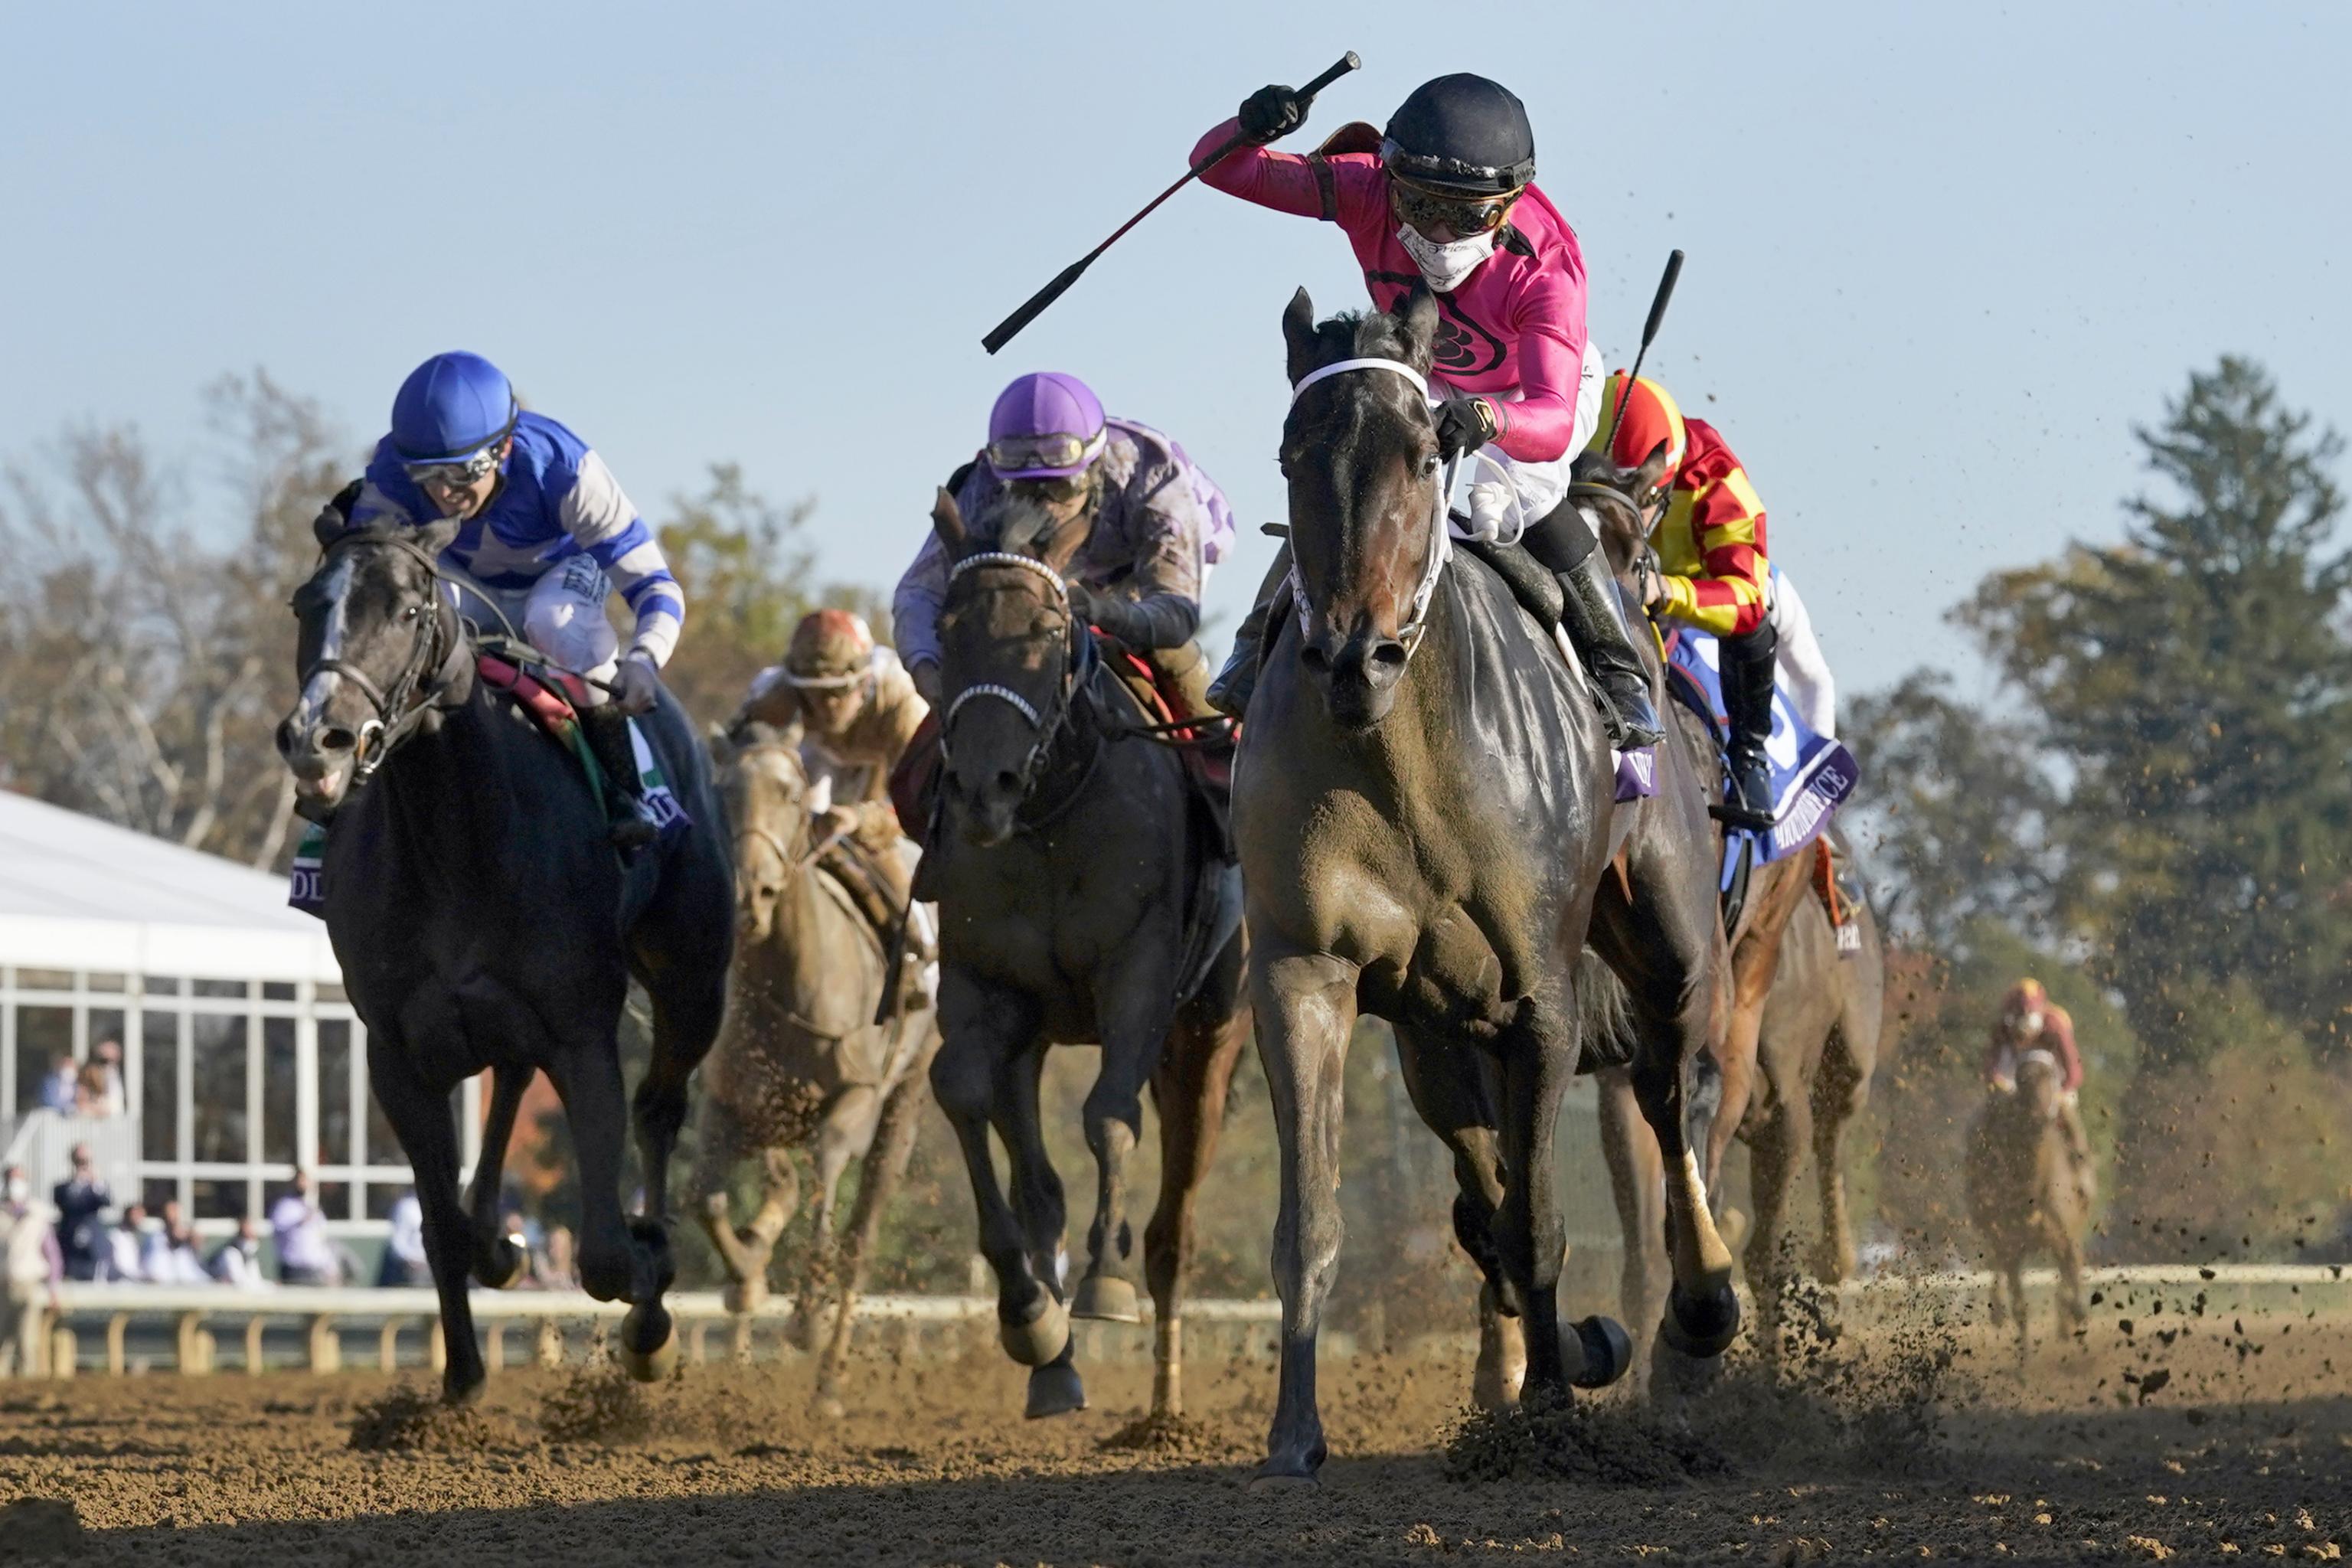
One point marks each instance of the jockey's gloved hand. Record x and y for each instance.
(925, 674)
(1464, 424)
(1272, 113)
(1111, 614)
(636, 687)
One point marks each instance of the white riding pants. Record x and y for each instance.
(1506, 494)
(1805, 677)
(562, 614)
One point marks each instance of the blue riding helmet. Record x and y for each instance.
(451, 406)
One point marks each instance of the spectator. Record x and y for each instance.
(33, 1266)
(80, 1198)
(59, 1089)
(107, 1056)
(404, 1253)
(238, 1264)
(557, 1267)
(123, 1261)
(305, 1255)
(170, 1256)
(517, 1234)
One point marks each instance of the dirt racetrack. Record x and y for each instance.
(2169, 1435)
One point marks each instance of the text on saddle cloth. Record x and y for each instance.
(553, 710)
(1812, 774)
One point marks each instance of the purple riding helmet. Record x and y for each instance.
(1045, 426)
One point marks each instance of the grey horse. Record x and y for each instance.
(483, 921)
(800, 1061)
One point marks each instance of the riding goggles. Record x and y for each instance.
(455, 473)
(1054, 452)
(1464, 216)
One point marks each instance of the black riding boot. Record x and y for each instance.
(1748, 665)
(1229, 693)
(608, 729)
(1593, 614)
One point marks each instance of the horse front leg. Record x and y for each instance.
(614, 1264)
(1136, 1004)
(428, 1130)
(845, 1134)
(1305, 1008)
(1637, 1182)
(986, 1029)
(1450, 1094)
(1189, 1088)
(498, 1262)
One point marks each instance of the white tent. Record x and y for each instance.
(241, 1056)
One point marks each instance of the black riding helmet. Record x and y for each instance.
(1461, 133)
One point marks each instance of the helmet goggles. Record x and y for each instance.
(1055, 453)
(455, 473)
(1428, 207)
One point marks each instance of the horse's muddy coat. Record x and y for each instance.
(931, 1468)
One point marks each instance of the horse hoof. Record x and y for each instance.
(744, 1296)
(1054, 1390)
(1289, 1472)
(1107, 1299)
(1277, 1481)
(827, 1406)
(1042, 1338)
(1607, 1352)
(507, 1262)
(1701, 1326)
(648, 1344)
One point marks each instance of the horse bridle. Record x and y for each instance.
(400, 709)
(1044, 725)
(1439, 547)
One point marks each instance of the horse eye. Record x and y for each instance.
(1429, 464)
(411, 613)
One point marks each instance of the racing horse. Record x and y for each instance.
(801, 1059)
(1423, 804)
(483, 921)
(1074, 871)
(2024, 1193)
(1793, 1063)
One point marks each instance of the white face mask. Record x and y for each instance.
(1445, 265)
(19, 1190)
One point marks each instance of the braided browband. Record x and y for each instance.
(1007, 558)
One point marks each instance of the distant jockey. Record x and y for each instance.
(548, 536)
(1158, 524)
(1706, 523)
(2031, 1022)
(1443, 200)
(857, 709)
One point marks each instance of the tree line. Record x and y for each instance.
(2156, 819)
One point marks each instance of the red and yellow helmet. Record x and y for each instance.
(829, 648)
(1650, 416)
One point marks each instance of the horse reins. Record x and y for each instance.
(396, 716)
(1438, 549)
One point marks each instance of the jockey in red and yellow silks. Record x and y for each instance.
(1707, 526)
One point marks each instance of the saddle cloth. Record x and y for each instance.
(1812, 774)
(549, 701)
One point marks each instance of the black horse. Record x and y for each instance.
(1070, 899)
(483, 921)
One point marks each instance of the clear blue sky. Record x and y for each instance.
(1940, 261)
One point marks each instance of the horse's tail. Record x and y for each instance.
(1604, 1015)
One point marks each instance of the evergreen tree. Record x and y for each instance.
(2196, 682)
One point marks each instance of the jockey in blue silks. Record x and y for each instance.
(547, 536)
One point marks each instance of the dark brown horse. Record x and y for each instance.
(2024, 1193)
(1071, 867)
(1424, 804)
(1791, 1066)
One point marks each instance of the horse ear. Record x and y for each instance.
(436, 536)
(722, 750)
(1653, 469)
(1299, 333)
(1418, 313)
(947, 521)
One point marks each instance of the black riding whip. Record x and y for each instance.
(1011, 324)
(1648, 331)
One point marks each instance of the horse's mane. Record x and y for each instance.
(1363, 335)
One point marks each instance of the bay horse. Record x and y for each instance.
(1068, 860)
(483, 922)
(2024, 1193)
(1791, 1066)
(801, 1060)
(1423, 800)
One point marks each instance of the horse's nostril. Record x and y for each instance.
(1390, 654)
(337, 740)
(1008, 782)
